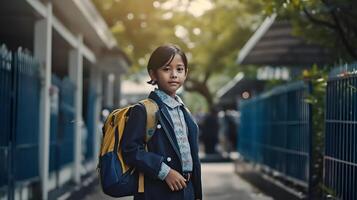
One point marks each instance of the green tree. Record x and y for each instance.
(224, 30)
(331, 23)
(316, 78)
(137, 25)
(211, 39)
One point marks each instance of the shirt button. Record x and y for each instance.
(158, 126)
(168, 159)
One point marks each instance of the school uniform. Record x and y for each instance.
(174, 145)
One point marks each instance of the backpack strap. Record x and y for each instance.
(151, 120)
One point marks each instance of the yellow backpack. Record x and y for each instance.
(116, 177)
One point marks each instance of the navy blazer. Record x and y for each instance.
(162, 147)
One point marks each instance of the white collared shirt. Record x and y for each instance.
(174, 106)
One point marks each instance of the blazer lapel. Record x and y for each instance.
(163, 108)
(166, 123)
(166, 114)
(171, 136)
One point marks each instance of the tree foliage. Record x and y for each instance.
(211, 39)
(224, 30)
(316, 78)
(331, 23)
(137, 26)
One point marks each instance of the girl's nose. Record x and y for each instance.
(173, 74)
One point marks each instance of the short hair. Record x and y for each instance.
(165, 54)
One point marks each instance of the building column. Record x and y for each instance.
(43, 52)
(76, 75)
(117, 91)
(96, 80)
(109, 90)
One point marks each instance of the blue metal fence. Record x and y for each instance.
(19, 120)
(54, 162)
(90, 121)
(275, 131)
(5, 111)
(27, 115)
(340, 160)
(67, 121)
(62, 124)
(19, 116)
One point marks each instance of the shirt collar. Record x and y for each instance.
(168, 100)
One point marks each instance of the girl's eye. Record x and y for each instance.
(166, 69)
(180, 69)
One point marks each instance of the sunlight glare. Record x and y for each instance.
(143, 24)
(199, 7)
(169, 5)
(167, 16)
(194, 7)
(156, 4)
(191, 45)
(130, 16)
(129, 48)
(196, 31)
(142, 61)
(181, 32)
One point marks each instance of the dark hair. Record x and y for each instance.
(164, 55)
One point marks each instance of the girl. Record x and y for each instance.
(171, 165)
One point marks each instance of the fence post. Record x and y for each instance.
(311, 137)
(11, 144)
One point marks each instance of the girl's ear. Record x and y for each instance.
(152, 75)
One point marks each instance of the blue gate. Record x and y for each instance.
(340, 160)
(275, 131)
(62, 124)
(19, 116)
(90, 121)
(27, 116)
(67, 113)
(54, 163)
(5, 112)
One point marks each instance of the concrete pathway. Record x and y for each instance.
(219, 183)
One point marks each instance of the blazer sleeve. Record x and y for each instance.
(133, 144)
(197, 172)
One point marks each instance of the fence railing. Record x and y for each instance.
(27, 81)
(19, 116)
(19, 122)
(62, 123)
(5, 111)
(340, 160)
(275, 131)
(90, 121)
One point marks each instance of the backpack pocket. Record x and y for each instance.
(114, 182)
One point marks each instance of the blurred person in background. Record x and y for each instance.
(210, 128)
(231, 129)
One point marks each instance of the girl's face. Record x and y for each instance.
(170, 77)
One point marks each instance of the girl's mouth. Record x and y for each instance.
(173, 82)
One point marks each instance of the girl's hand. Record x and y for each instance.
(175, 180)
